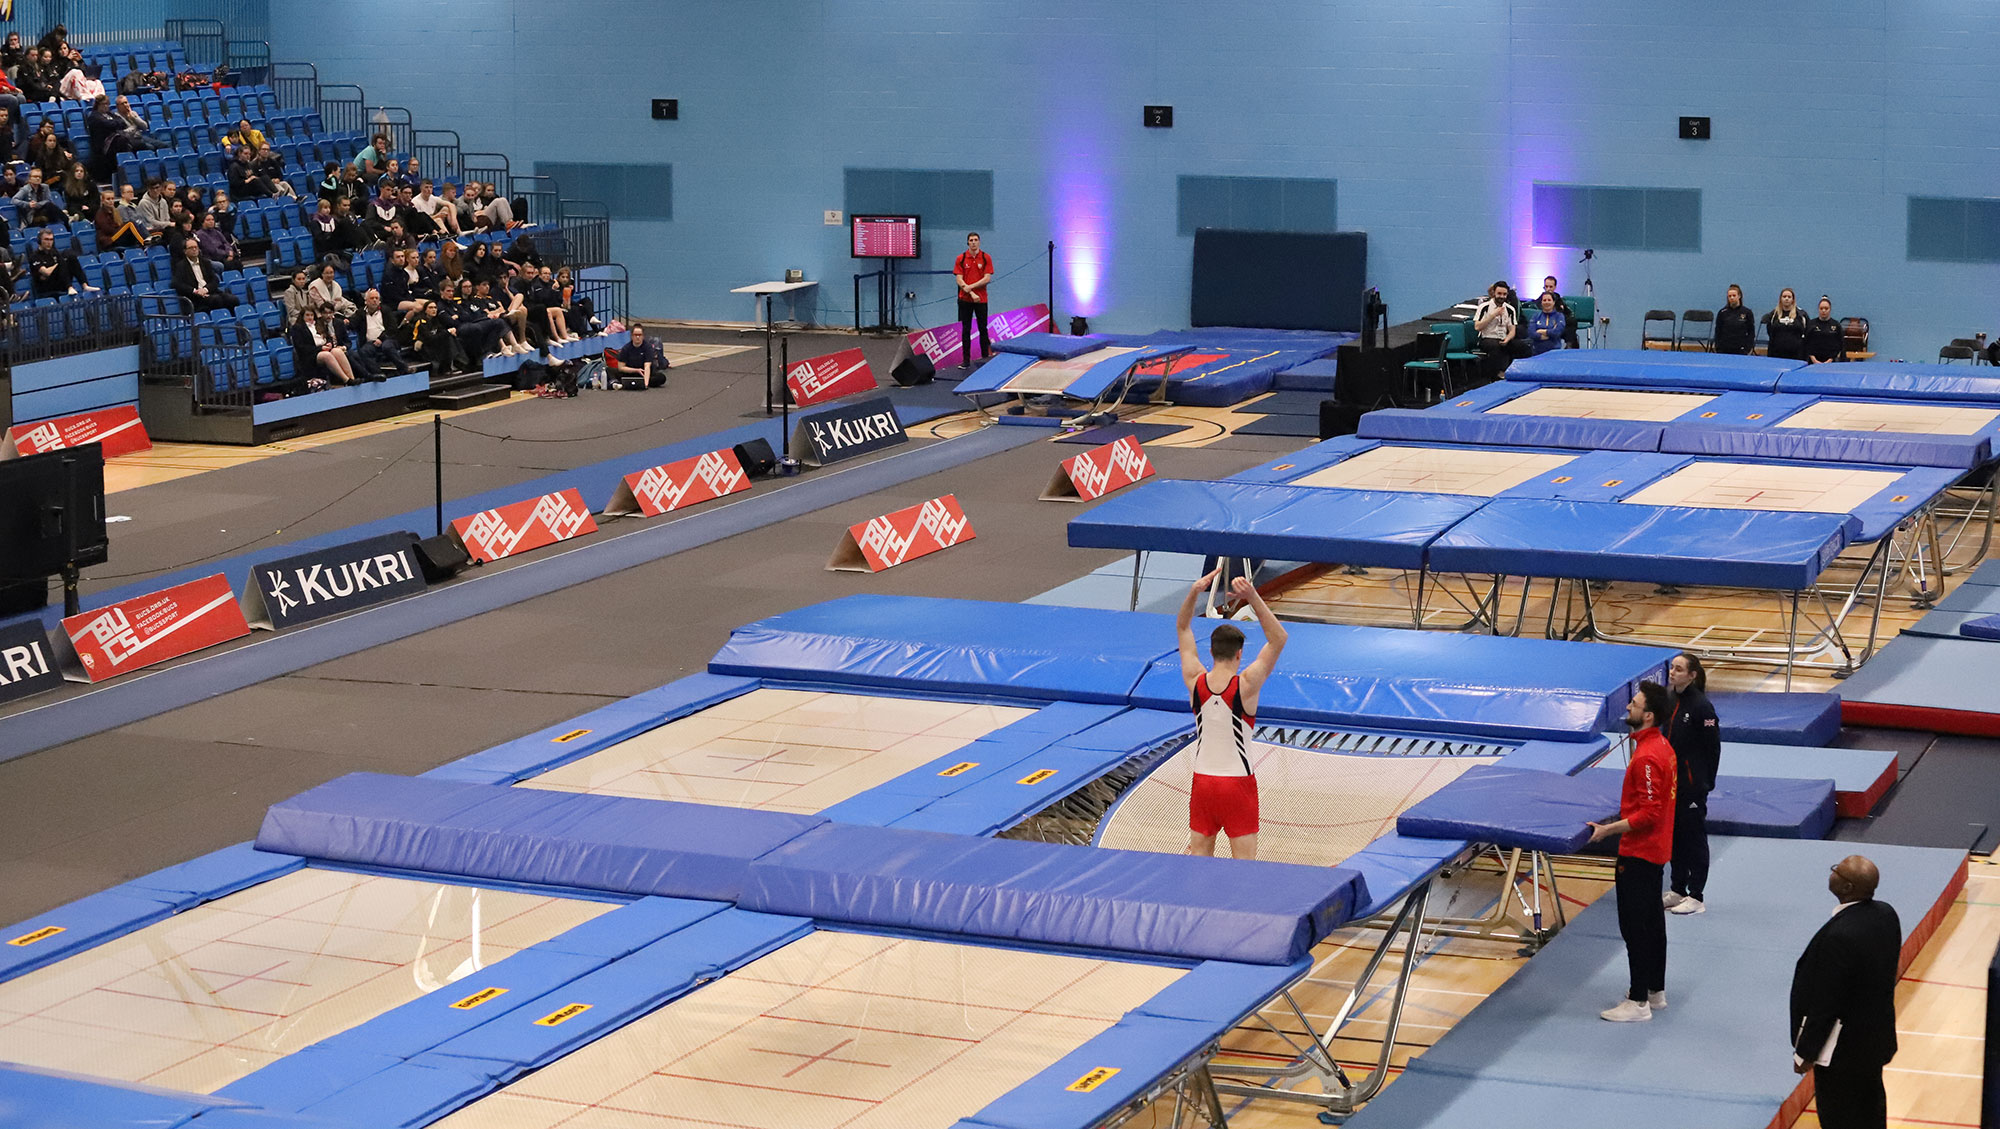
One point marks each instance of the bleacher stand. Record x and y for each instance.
(246, 343)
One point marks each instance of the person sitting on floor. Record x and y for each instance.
(640, 362)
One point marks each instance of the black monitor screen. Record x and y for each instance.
(887, 237)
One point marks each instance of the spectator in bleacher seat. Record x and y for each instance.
(11, 53)
(270, 165)
(33, 78)
(467, 205)
(497, 307)
(392, 175)
(245, 134)
(1545, 329)
(129, 210)
(1499, 330)
(498, 210)
(198, 280)
(578, 309)
(54, 39)
(7, 142)
(79, 192)
(402, 285)
(107, 136)
(480, 330)
(384, 211)
(446, 215)
(546, 306)
(334, 237)
(423, 209)
(49, 152)
(144, 82)
(138, 128)
(54, 273)
(216, 244)
(513, 300)
(246, 182)
(1826, 341)
(180, 224)
(316, 345)
(224, 212)
(427, 269)
(398, 236)
(156, 208)
(373, 327)
(522, 254)
(451, 264)
(326, 291)
(10, 100)
(36, 203)
(80, 84)
(485, 265)
(11, 272)
(115, 233)
(293, 301)
(372, 160)
(1735, 325)
(330, 185)
(1569, 316)
(1785, 328)
(424, 334)
(10, 182)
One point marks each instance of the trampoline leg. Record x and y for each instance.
(1417, 609)
(1792, 643)
(1210, 1101)
(1138, 560)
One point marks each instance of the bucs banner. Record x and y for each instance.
(1099, 471)
(27, 662)
(674, 486)
(118, 429)
(843, 432)
(150, 629)
(946, 349)
(905, 535)
(295, 590)
(492, 534)
(829, 378)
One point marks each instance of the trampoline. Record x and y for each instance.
(835, 1029)
(1600, 403)
(1443, 470)
(207, 996)
(781, 749)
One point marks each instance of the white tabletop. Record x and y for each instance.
(771, 287)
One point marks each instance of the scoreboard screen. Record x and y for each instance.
(886, 237)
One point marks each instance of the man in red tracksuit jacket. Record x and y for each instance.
(1645, 825)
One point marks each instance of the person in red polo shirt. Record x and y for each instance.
(974, 269)
(1645, 825)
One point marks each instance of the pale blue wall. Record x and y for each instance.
(1435, 118)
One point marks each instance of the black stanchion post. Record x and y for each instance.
(437, 468)
(1052, 287)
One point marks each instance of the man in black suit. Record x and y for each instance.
(199, 281)
(1844, 1001)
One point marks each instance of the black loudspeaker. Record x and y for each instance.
(23, 596)
(441, 558)
(756, 457)
(1336, 418)
(915, 369)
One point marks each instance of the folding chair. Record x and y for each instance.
(1668, 340)
(1690, 339)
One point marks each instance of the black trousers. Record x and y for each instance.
(1851, 1098)
(1690, 867)
(967, 311)
(1642, 921)
(1494, 357)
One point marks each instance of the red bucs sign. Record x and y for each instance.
(154, 628)
(673, 486)
(905, 535)
(117, 428)
(1099, 471)
(946, 350)
(492, 534)
(829, 378)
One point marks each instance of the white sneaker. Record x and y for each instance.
(1627, 1011)
(1688, 905)
(1657, 1001)
(1671, 899)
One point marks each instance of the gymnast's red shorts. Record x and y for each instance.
(1223, 803)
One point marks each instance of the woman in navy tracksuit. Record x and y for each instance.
(1547, 327)
(1697, 740)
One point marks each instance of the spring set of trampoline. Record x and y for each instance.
(1830, 487)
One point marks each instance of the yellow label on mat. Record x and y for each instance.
(959, 768)
(1560, 479)
(479, 997)
(1708, 415)
(570, 736)
(1616, 482)
(42, 934)
(1284, 466)
(1037, 776)
(561, 1016)
(1900, 498)
(1092, 1080)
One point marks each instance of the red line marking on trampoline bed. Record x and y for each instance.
(876, 1030)
(753, 762)
(826, 1055)
(1943, 983)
